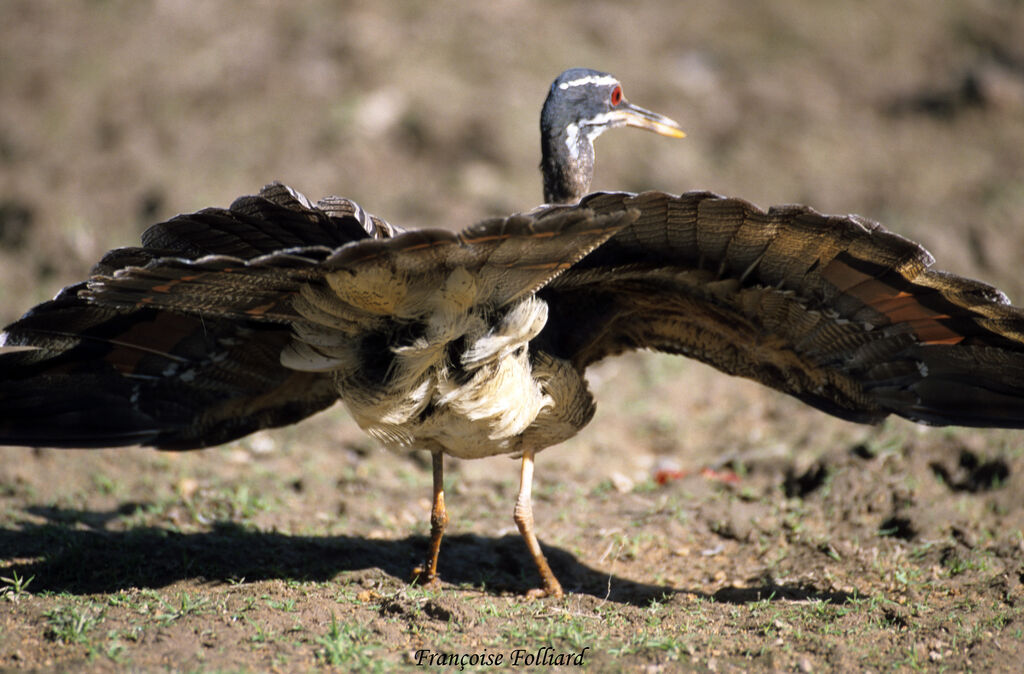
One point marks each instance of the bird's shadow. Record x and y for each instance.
(91, 559)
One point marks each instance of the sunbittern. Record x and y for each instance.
(474, 344)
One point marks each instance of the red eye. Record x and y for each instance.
(616, 95)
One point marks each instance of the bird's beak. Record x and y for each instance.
(634, 115)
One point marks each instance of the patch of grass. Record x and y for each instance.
(115, 651)
(105, 484)
(602, 489)
(248, 604)
(133, 634)
(346, 644)
(286, 605)
(186, 605)
(237, 503)
(662, 645)
(574, 632)
(151, 513)
(15, 587)
(69, 624)
(259, 636)
(956, 563)
(907, 575)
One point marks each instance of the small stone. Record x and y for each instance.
(186, 487)
(622, 484)
(262, 443)
(367, 595)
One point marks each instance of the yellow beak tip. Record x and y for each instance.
(669, 131)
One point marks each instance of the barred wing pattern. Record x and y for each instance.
(271, 320)
(834, 310)
(180, 343)
(95, 376)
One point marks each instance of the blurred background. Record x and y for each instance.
(114, 115)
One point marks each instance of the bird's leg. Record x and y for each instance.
(523, 515)
(427, 574)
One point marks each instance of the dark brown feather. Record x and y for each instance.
(98, 376)
(178, 343)
(836, 311)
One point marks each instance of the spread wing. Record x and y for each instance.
(227, 321)
(95, 376)
(360, 304)
(99, 377)
(834, 310)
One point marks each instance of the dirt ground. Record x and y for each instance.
(700, 522)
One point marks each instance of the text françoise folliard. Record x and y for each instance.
(519, 657)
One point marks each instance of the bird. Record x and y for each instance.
(476, 343)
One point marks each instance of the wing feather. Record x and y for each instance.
(179, 343)
(834, 310)
(85, 375)
(99, 377)
(187, 341)
(399, 277)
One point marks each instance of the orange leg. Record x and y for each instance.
(427, 574)
(523, 515)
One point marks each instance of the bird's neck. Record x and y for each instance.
(567, 163)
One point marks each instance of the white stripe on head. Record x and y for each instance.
(589, 79)
(598, 124)
(594, 127)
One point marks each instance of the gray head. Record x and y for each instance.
(581, 105)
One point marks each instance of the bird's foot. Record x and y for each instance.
(422, 577)
(552, 589)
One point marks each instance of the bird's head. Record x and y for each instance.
(581, 105)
